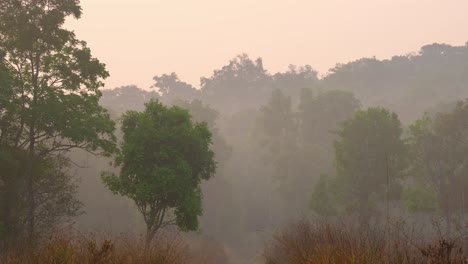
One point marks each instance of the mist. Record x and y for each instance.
(238, 133)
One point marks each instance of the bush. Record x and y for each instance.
(68, 249)
(308, 243)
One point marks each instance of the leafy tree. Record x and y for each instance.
(56, 200)
(277, 132)
(370, 157)
(293, 81)
(56, 90)
(439, 147)
(322, 201)
(171, 88)
(420, 199)
(126, 98)
(216, 213)
(299, 143)
(276, 124)
(319, 117)
(201, 112)
(242, 80)
(164, 157)
(277, 136)
(399, 82)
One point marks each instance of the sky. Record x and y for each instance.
(139, 39)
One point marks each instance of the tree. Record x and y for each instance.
(399, 82)
(126, 98)
(55, 199)
(242, 80)
(218, 203)
(439, 147)
(56, 90)
(370, 158)
(322, 201)
(172, 88)
(319, 118)
(300, 143)
(164, 157)
(277, 133)
(201, 112)
(321, 115)
(296, 79)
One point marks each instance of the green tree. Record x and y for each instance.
(56, 200)
(277, 136)
(322, 200)
(164, 157)
(319, 117)
(57, 87)
(219, 204)
(242, 80)
(439, 147)
(172, 88)
(370, 158)
(201, 112)
(420, 199)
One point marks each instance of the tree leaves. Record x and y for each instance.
(164, 157)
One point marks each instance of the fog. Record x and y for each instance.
(278, 116)
(275, 134)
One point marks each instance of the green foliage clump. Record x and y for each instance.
(322, 200)
(164, 157)
(369, 158)
(420, 200)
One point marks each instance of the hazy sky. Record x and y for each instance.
(138, 39)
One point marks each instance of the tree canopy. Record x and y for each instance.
(52, 104)
(369, 158)
(164, 157)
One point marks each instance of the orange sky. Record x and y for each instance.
(138, 39)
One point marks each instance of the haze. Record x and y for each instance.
(276, 132)
(142, 38)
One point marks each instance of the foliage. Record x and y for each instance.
(277, 137)
(72, 248)
(298, 142)
(370, 157)
(171, 88)
(420, 200)
(241, 80)
(201, 112)
(398, 83)
(322, 201)
(439, 147)
(56, 201)
(164, 157)
(319, 118)
(126, 98)
(329, 243)
(55, 89)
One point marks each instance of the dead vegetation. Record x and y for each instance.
(310, 243)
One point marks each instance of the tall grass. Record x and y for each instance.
(317, 243)
(74, 249)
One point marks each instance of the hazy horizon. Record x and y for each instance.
(156, 37)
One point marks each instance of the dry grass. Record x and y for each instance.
(66, 249)
(307, 243)
(300, 243)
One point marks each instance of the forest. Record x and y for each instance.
(366, 164)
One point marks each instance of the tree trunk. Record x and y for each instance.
(30, 185)
(149, 238)
(364, 213)
(448, 224)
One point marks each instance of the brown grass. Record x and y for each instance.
(66, 249)
(307, 243)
